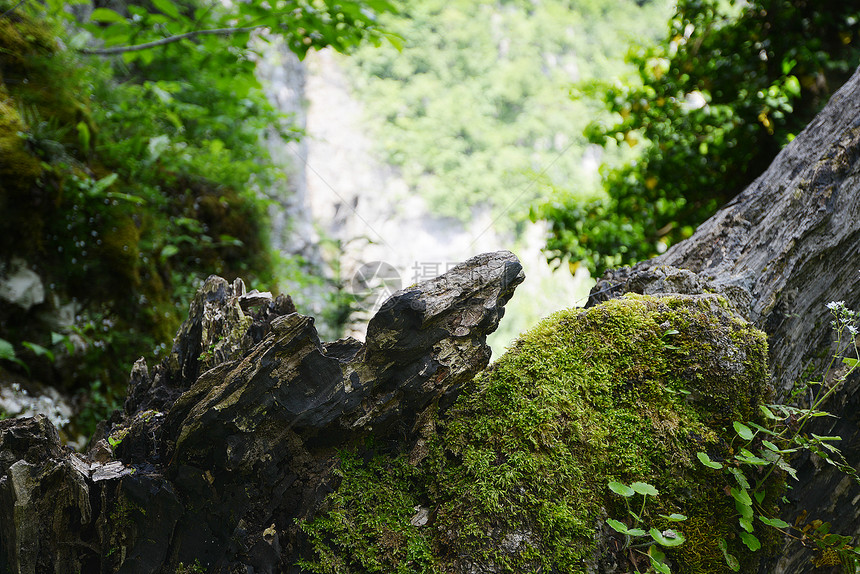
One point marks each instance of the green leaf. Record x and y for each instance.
(767, 413)
(636, 532)
(851, 362)
(774, 448)
(39, 350)
(762, 429)
(617, 525)
(706, 460)
(747, 457)
(743, 430)
(673, 517)
(750, 540)
(824, 438)
(102, 184)
(759, 496)
(655, 553)
(745, 523)
(731, 561)
(741, 496)
(169, 251)
(7, 351)
(775, 522)
(126, 197)
(644, 488)
(622, 489)
(668, 538)
(106, 15)
(83, 135)
(740, 477)
(781, 463)
(659, 565)
(745, 511)
(167, 7)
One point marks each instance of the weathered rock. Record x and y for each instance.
(226, 442)
(20, 285)
(780, 251)
(514, 474)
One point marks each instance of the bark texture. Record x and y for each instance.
(780, 251)
(233, 436)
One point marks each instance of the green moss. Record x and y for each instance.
(516, 471)
(18, 168)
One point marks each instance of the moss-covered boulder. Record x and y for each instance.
(513, 476)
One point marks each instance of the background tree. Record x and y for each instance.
(472, 107)
(707, 111)
(130, 167)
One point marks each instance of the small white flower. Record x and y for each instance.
(852, 328)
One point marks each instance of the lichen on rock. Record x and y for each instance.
(515, 473)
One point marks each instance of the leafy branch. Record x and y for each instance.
(169, 40)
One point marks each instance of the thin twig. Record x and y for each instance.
(12, 9)
(169, 40)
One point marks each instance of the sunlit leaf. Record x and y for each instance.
(622, 489)
(106, 15)
(617, 525)
(644, 488)
(668, 538)
(706, 460)
(167, 7)
(743, 430)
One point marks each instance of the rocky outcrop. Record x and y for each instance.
(512, 478)
(233, 437)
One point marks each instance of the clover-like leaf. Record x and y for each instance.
(667, 538)
(622, 489)
(644, 488)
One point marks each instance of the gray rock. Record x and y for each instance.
(21, 286)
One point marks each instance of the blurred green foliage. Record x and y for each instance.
(473, 105)
(707, 111)
(125, 181)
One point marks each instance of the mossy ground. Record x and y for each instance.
(515, 474)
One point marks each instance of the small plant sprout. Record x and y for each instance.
(763, 449)
(635, 536)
